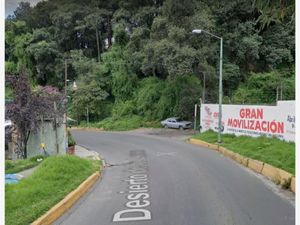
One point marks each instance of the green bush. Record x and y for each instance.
(71, 141)
(121, 124)
(179, 97)
(120, 109)
(262, 88)
(148, 96)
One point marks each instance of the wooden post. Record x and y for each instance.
(55, 128)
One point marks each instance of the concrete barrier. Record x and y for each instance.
(245, 161)
(285, 178)
(271, 172)
(239, 158)
(293, 184)
(255, 165)
(222, 150)
(60, 208)
(229, 154)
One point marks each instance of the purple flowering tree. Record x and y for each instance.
(29, 107)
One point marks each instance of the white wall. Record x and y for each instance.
(252, 120)
(46, 134)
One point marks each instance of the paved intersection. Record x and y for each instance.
(164, 181)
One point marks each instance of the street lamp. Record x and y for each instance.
(199, 31)
(66, 97)
(74, 88)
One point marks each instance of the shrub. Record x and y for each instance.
(121, 109)
(71, 141)
(148, 96)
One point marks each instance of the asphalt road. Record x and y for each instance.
(165, 181)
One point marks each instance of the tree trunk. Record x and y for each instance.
(25, 144)
(153, 71)
(101, 44)
(109, 27)
(98, 47)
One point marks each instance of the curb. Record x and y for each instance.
(278, 176)
(96, 155)
(86, 128)
(204, 144)
(60, 208)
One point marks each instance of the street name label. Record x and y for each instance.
(137, 195)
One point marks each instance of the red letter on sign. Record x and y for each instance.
(242, 113)
(248, 113)
(260, 113)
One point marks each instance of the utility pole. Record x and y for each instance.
(203, 92)
(195, 117)
(281, 91)
(66, 110)
(55, 127)
(66, 76)
(220, 91)
(199, 31)
(200, 104)
(87, 116)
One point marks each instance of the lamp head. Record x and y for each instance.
(74, 86)
(197, 31)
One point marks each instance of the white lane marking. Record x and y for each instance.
(137, 191)
(146, 215)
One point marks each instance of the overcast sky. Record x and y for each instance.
(11, 5)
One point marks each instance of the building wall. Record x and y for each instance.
(54, 143)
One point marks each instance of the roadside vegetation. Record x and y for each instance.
(122, 124)
(140, 58)
(22, 164)
(51, 182)
(269, 150)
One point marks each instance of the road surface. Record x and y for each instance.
(157, 180)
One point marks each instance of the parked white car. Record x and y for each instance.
(176, 122)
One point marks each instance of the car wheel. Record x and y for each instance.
(180, 128)
(166, 126)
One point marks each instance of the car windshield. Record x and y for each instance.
(178, 120)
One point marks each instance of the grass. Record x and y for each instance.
(21, 164)
(54, 178)
(123, 124)
(269, 150)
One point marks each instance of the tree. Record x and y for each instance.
(147, 46)
(23, 12)
(28, 108)
(88, 95)
(47, 60)
(96, 20)
(275, 11)
(265, 88)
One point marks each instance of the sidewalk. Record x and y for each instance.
(85, 153)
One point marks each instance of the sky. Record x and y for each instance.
(11, 5)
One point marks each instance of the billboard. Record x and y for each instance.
(252, 120)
